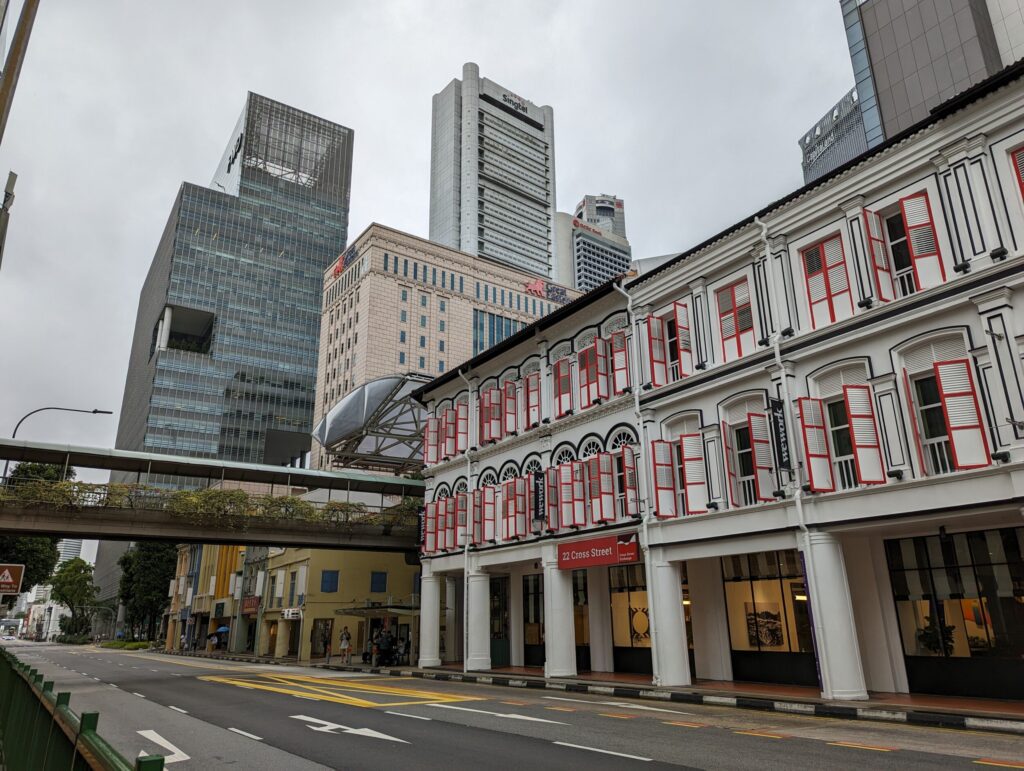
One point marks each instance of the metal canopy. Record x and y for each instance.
(376, 426)
(144, 463)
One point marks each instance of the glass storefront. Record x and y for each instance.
(533, 620)
(769, 618)
(631, 627)
(960, 606)
(581, 619)
(499, 621)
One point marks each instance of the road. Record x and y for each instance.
(226, 714)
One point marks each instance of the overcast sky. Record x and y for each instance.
(689, 110)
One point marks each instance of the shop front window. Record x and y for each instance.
(766, 601)
(580, 607)
(533, 609)
(631, 626)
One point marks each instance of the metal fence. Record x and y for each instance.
(39, 732)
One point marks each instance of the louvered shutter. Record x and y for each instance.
(430, 528)
(730, 465)
(584, 363)
(430, 441)
(630, 495)
(450, 433)
(915, 428)
(532, 401)
(1017, 158)
(684, 346)
(461, 427)
(838, 279)
(744, 318)
(461, 518)
(496, 410)
(522, 488)
(816, 448)
(450, 523)
(764, 466)
(656, 353)
(490, 526)
(601, 367)
(579, 493)
(477, 517)
(511, 408)
(924, 244)
(664, 474)
(867, 450)
(508, 505)
(695, 483)
(551, 498)
(879, 256)
(620, 362)
(601, 487)
(962, 409)
(563, 387)
(565, 502)
(817, 285)
(485, 416)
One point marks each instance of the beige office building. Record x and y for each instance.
(398, 304)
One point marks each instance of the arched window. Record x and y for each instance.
(488, 478)
(509, 472)
(590, 447)
(460, 486)
(621, 438)
(442, 491)
(532, 466)
(564, 455)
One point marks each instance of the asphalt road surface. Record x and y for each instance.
(211, 714)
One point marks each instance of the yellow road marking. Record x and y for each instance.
(515, 703)
(855, 746)
(616, 716)
(764, 734)
(684, 724)
(999, 763)
(561, 709)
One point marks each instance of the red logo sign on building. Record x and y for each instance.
(250, 604)
(607, 550)
(535, 287)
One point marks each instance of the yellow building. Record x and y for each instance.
(175, 621)
(202, 594)
(312, 594)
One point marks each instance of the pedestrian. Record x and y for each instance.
(367, 648)
(345, 646)
(385, 649)
(326, 640)
(375, 648)
(182, 646)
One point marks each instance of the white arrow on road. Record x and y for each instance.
(327, 727)
(621, 704)
(508, 715)
(176, 754)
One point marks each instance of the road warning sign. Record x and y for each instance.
(10, 578)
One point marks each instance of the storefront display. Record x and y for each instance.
(533, 620)
(631, 627)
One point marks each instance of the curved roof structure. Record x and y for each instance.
(377, 425)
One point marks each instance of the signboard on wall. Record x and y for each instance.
(10, 578)
(780, 436)
(594, 552)
(250, 604)
(539, 509)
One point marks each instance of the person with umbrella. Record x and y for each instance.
(222, 640)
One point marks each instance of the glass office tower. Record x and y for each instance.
(223, 361)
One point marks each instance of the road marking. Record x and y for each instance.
(604, 752)
(138, 694)
(177, 709)
(616, 716)
(307, 698)
(764, 734)
(516, 703)
(176, 754)
(496, 714)
(154, 670)
(620, 704)
(403, 714)
(95, 678)
(246, 733)
(684, 724)
(855, 746)
(999, 763)
(112, 685)
(562, 709)
(328, 727)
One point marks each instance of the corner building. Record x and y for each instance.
(792, 454)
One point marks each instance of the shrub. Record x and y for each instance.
(74, 639)
(137, 646)
(341, 511)
(117, 644)
(288, 507)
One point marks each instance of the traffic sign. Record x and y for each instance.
(10, 578)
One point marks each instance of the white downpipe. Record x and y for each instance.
(465, 545)
(642, 467)
(798, 482)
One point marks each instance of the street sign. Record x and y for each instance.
(780, 435)
(606, 550)
(10, 578)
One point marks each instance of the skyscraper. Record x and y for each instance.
(492, 173)
(591, 245)
(837, 137)
(223, 359)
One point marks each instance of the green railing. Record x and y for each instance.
(39, 732)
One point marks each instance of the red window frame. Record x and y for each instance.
(592, 366)
(461, 518)
(565, 499)
(630, 493)
(509, 408)
(694, 476)
(874, 229)
(484, 415)
(657, 351)
(490, 526)
(915, 428)
(522, 488)
(579, 493)
(867, 448)
(450, 433)
(430, 528)
(684, 342)
(817, 452)
(476, 533)
(828, 276)
(508, 507)
(1017, 161)
(531, 402)
(461, 427)
(731, 477)
(562, 385)
(554, 522)
(449, 523)
(663, 475)
(620, 362)
(734, 312)
(601, 487)
(763, 457)
(430, 441)
(956, 385)
(927, 228)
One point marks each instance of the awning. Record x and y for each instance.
(378, 611)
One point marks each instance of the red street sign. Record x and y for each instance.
(250, 604)
(607, 550)
(10, 578)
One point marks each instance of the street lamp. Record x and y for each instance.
(42, 409)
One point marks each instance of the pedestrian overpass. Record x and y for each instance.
(231, 502)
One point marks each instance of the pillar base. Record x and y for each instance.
(424, 663)
(847, 695)
(478, 664)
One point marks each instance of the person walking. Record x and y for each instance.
(326, 640)
(345, 646)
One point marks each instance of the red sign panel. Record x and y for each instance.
(607, 550)
(250, 604)
(10, 578)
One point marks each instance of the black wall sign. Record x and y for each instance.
(538, 496)
(777, 410)
(422, 514)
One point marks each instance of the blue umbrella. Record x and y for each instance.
(223, 629)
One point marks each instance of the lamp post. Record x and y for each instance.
(43, 409)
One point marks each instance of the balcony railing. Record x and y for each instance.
(938, 458)
(845, 470)
(748, 491)
(905, 283)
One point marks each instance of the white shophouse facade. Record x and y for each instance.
(624, 503)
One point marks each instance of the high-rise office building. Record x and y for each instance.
(837, 137)
(68, 549)
(223, 359)
(909, 56)
(591, 245)
(492, 173)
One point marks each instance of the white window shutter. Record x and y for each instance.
(817, 454)
(664, 474)
(695, 484)
(620, 362)
(683, 339)
(962, 408)
(867, 450)
(879, 256)
(630, 495)
(764, 466)
(656, 353)
(551, 495)
(923, 242)
(730, 465)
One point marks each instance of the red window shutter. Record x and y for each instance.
(764, 467)
(601, 487)
(490, 526)
(630, 495)
(565, 502)
(485, 416)
(656, 351)
(579, 493)
(620, 363)
(601, 367)
(816, 448)
(730, 465)
(442, 434)
(915, 429)
(511, 409)
(736, 320)
(508, 505)
(828, 284)
(450, 435)
(476, 533)
(551, 498)
(532, 401)
(522, 488)
(684, 345)
(924, 244)
(867, 450)
(664, 474)
(461, 518)
(496, 422)
(584, 368)
(694, 476)
(563, 388)
(1017, 159)
(960, 404)
(430, 528)
(461, 427)
(430, 440)
(449, 526)
(879, 256)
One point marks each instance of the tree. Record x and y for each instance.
(46, 472)
(147, 569)
(72, 586)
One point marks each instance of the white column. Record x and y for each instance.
(478, 604)
(838, 652)
(710, 624)
(517, 655)
(165, 331)
(430, 620)
(599, 612)
(668, 632)
(451, 616)
(559, 630)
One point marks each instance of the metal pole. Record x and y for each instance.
(15, 58)
(17, 425)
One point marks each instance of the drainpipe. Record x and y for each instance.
(465, 545)
(798, 482)
(642, 468)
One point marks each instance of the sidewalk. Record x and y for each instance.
(915, 709)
